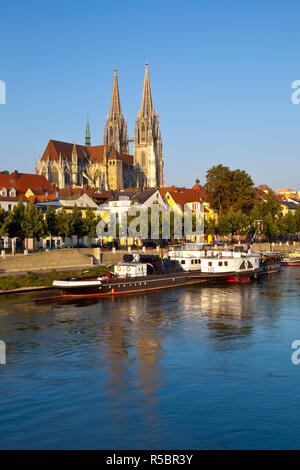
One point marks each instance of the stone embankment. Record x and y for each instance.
(60, 259)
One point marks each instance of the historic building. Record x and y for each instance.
(148, 156)
(110, 166)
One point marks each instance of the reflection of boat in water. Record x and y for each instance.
(191, 264)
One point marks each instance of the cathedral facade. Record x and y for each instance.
(110, 166)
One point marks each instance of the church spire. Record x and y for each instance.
(115, 105)
(115, 126)
(147, 105)
(87, 133)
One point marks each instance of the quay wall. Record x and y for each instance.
(60, 259)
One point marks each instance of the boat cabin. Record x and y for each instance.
(237, 262)
(130, 269)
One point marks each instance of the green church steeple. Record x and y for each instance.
(87, 133)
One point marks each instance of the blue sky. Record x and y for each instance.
(221, 74)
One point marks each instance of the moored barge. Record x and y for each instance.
(147, 273)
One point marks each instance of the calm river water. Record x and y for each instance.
(190, 368)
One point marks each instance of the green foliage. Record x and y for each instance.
(34, 223)
(76, 223)
(51, 221)
(2, 220)
(63, 221)
(90, 223)
(227, 189)
(210, 227)
(14, 221)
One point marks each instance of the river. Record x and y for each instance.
(201, 367)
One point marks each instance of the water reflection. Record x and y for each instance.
(142, 368)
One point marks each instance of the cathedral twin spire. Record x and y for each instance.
(148, 157)
(147, 104)
(115, 129)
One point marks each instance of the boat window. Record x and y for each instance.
(192, 261)
(242, 266)
(220, 263)
(250, 265)
(183, 261)
(225, 263)
(209, 263)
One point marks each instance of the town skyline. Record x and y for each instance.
(213, 87)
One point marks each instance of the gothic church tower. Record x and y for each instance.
(148, 156)
(115, 129)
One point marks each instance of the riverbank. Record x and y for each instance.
(39, 281)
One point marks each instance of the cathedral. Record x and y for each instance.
(110, 166)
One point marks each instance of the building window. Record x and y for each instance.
(54, 175)
(143, 133)
(67, 178)
(143, 159)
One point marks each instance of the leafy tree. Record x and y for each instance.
(225, 188)
(76, 223)
(224, 226)
(297, 219)
(63, 221)
(271, 205)
(34, 223)
(90, 223)
(218, 187)
(14, 221)
(210, 226)
(2, 220)
(291, 222)
(51, 221)
(242, 191)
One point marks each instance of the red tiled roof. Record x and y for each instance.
(182, 198)
(195, 193)
(55, 148)
(23, 181)
(114, 154)
(97, 153)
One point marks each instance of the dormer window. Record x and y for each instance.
(3, 192)
(12, 192)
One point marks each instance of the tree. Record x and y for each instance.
(297, 219)
(51, 221)
(34, 223)
(76, 223)
(90, 223)
(2, 220)
(225, 188)
(291, 222)
(271, 205)
(14, 221)
(210, 226)
(63, 223)
(218, 187)
(238, 221)
(224, 226)
(242, 191)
